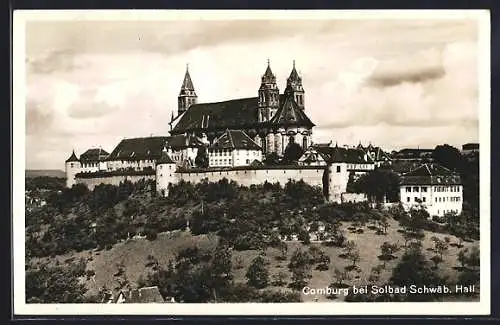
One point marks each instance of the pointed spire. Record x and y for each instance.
(294, 75)
(73, 157)
(269, 72)
(187, 84)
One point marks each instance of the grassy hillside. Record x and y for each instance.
(133, 254)
(30, 173)
(97, 230)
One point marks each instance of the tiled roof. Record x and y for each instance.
(432, 174)
(164, 159)
(139, 149)
(414, 153)
(375, 153)
(345, 155)
(228, 114)
(290, 114)
(145, 295)
(72, 158)
(181, 141)
(95, 154)
(235, 139)
(233, 114)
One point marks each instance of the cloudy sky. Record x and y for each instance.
(394, 83)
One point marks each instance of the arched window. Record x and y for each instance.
(304, 142)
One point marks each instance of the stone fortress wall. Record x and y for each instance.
(335, 183)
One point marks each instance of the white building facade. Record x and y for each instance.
(434, 188)
(234, 149)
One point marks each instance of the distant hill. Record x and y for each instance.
(30, 173)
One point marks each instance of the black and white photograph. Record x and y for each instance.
(251, 162)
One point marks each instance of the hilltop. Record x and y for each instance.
(31, 173)
(124, 236)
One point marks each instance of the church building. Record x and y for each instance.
(271, 119)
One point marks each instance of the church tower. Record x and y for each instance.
(294, 87)
(187, 95)
(268, 95)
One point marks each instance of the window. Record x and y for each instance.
(407, 199)
(408, 189)
(415, 199)
(436, 199)
(229, 160)
(248, 161)
(424, 188)
(415, 189)
(304, 142)
(338, 169)
(424, 199)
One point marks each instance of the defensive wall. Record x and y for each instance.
(332, 180)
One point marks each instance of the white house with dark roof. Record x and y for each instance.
(234, 148)
(433, 187)
(94, 160)
(356, 160)
(136, 154)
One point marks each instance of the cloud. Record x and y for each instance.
(93, 83)
(389, 80)
(418, 90)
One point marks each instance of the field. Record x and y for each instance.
(133, 254)
(30, 173)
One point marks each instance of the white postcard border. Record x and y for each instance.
(365, 308)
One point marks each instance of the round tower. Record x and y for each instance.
(165, 173)
(72, 167)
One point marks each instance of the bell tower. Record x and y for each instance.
(187, 95)
(268, 95)
(294, 87)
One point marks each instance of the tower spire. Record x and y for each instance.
(187, 95)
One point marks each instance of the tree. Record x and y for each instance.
(121, 279)
(293, 151)
(447, 156)
(384, 223)
(388, 250)
(257, 273)
(339, 278)
(379, 184)
(54, 284)
(279, 279)
(271, 159)
(415, 269)
(300, 266)
(201, 159)
(354, 257)
(349, 247)
(436, 259)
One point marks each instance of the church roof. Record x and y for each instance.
(235, 139)
(237, 114)
(164, 159)
(430, 174)
(139, 149)
(94, 154)
(187, 84)
(181, 141)
(72, 158)
(268, 76)
(290, 113)
(221, 115)
(294, 75)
